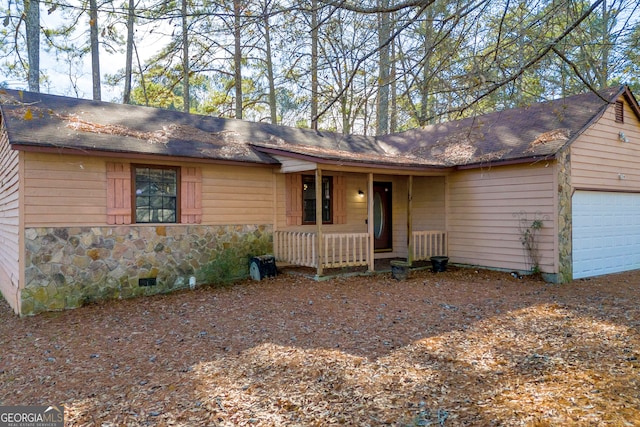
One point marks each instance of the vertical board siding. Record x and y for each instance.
(293, 194)
(190, 195)
(339, 200)
(118, 193)
(65, 190)
(9, 222)
(484, 210)
(600, 160)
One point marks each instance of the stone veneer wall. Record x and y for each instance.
(69, 266)
(565, 271)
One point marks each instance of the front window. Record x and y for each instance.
(309, 200)
(156, 194)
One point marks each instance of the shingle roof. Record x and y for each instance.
(536, 131)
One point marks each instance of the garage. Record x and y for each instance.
(606, 233)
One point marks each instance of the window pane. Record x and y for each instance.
(156, 194)
(309, 200)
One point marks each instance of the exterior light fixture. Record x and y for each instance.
(360, 193)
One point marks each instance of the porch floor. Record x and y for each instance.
(380, 265)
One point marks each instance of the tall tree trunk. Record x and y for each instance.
(95, 56)
(32, 22)
(344, 110)
(270, 77)
(314, 64)
(237, 57)
(129, 57)
(604, 63)
(393, 114)
(384, 32)
(429, 35)
(185, 59)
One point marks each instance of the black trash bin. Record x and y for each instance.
(439, 263)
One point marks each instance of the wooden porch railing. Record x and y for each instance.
(429, 243)
(338, 249)
(347, 249)
(295, 247)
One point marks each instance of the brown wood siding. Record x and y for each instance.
(399, 188)
(237, 195)
(600, 160)
(428, 208)
(9, 222)
(483, 209)
(429, 203)
(63, 190)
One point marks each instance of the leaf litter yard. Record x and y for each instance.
(463, 347)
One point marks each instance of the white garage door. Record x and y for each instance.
(606, 233)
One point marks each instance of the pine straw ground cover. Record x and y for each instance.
(463, 347)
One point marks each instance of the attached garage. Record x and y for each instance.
(606, 233)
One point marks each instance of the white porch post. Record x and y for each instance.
(370, 220)
(319, 245)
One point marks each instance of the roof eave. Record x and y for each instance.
(633, 102)
(507, 162)
(349, 162)
(26, 147)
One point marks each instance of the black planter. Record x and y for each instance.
(439, 263)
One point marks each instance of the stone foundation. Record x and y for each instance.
(70, 266)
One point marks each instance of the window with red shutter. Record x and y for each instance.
(153, 194)
(301, 199)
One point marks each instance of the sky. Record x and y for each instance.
(110, 62)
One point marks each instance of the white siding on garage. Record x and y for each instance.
(606, 233)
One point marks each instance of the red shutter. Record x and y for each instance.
(191, 195)
(339, 200)
(293, 189)
(118, 193)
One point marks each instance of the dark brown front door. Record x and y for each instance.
(382, 216)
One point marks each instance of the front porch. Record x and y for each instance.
(366, 216)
